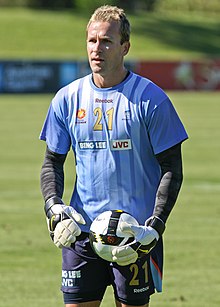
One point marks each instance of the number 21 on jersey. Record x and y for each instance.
(100, 117)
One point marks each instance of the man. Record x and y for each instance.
(126, 138)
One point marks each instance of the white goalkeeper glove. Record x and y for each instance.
(124, 255)
(146, 236)
(62, 222)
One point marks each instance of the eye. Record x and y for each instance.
(106, 40)
(91, 40)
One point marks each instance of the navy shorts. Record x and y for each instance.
(85, 275)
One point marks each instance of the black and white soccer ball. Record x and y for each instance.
(105, 233)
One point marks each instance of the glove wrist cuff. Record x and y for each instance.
(50, 202)
(157, 224)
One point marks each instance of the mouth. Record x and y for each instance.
(97, 60)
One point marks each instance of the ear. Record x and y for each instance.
(126, 47)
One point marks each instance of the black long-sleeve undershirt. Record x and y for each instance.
(170, 162)
(52, 175)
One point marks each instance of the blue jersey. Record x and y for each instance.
(115, 134)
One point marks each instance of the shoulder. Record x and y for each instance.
(72, 88)
(149, 89)
(66, 94)
(147, 94)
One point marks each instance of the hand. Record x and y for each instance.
(147, 235)
(62, 222)
(124, 255)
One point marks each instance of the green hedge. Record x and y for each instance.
(190, 5)
(85, 6)
(82, 5)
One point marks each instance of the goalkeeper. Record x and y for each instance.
(126, 138)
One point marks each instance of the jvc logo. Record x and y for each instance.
(120, 144)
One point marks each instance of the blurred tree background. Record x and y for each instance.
(86, 6)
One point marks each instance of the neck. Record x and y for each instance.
(105, 81)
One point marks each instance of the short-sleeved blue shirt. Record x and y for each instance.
(114, 133)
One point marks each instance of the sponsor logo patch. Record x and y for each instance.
(88, 145)
(69, 277)
(121, 144)
(127, 115)
(81, 113)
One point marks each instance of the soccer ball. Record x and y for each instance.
(105, 233)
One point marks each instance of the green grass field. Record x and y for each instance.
(30, 263)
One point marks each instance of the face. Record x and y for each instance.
(104, 48)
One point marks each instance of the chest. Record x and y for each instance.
(106, 117)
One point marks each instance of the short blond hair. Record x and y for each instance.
(112, 13)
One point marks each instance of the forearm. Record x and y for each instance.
(171, 181)
(52, 175)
